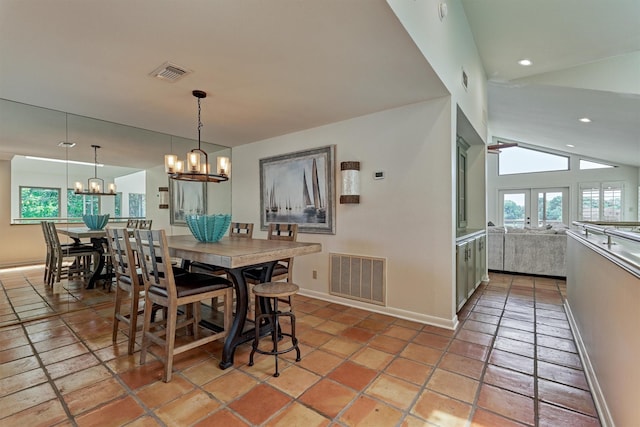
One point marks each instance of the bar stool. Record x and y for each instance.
(272, 291)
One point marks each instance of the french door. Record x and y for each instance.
(534, 207)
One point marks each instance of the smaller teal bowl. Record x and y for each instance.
(95, 222)
(208, 228)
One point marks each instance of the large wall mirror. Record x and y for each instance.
(44, 171)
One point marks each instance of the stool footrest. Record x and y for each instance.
(286, 350)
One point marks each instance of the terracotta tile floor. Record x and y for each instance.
(511, 362)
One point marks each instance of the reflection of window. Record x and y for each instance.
(81, 204)
(461, 201)
(525, 160)
(118, 204)
(136, 205)
(601, 201)
(39, 202)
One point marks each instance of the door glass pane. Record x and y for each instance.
(611, 203)
(514, 210)
(549, 208)
(590, 204)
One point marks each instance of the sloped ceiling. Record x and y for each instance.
(586, 63)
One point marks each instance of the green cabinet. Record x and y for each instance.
(471, 265)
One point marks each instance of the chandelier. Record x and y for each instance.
(197, 164)
(95, 185)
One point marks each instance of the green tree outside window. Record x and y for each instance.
(39, 202)
(81, 204)
(137, 205)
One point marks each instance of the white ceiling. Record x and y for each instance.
(586, 63)
(278, 66)
(269, 67)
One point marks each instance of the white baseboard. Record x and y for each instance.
(606, 420)
(451, 324)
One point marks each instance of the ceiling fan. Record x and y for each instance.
(496, 148)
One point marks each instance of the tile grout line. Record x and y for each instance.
(536, 400)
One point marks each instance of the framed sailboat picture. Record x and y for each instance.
(299, 188)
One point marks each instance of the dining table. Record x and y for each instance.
(98, 240)
(237, 255)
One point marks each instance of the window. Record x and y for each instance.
(525, 160)
(590, 203)
(136, 205)
(81, 204)
(587, 164)
(39, 202)
(601, 201)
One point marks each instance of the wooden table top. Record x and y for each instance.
(81, 232)
(234, 252)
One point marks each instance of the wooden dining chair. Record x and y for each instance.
(241, 230)
(128, 283)
(283, 269)
(48, 264)
(69, 261)
(165, 289)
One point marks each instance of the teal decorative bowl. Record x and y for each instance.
(95, 222)
(208, 228)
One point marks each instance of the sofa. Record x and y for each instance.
(539, 251)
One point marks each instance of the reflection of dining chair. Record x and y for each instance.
(236, 229)
(48, 264)
(132, 223)
(165, 289)
(144, 224)
(283, 269)
(127, 282)
(79, 255)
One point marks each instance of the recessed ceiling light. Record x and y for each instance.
(571, 146)
(66, 144)
(585, 120)
(525, 62)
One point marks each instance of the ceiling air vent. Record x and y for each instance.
(169, 72)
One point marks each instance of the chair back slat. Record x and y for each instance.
(53, 235)
(155, 262)
(288, 232)
(122, 255)
(132, 223)
(241, 229)
(144, 224)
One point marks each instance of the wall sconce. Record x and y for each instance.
(350, 182)
(164, 197)
(224, 166)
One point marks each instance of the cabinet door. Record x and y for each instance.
(461, 274)
(471, 267)
(481, 258)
